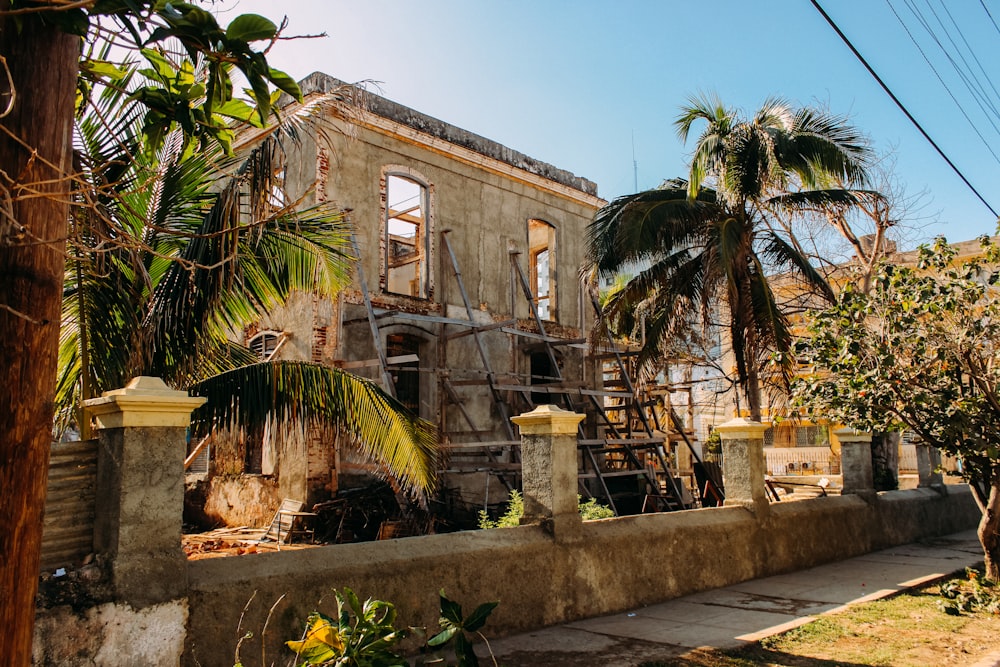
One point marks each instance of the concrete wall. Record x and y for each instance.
(616, 564)
(142, 602)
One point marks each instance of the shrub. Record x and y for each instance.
(589, 510)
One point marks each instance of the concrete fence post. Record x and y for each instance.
(928, 466)
(549, 469)
(140, 488)
(743, 463)
(856, 461)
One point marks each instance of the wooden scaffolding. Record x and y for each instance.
(624, 450)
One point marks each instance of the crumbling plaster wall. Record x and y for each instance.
(111, 635)
(485, 194)
(616, 564)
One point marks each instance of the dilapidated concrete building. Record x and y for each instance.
(466, 300)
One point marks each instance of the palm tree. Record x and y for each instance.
(173, 253)
(706, 246)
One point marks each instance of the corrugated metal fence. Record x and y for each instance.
(68, 531)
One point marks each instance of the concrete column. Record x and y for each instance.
(856, 461)
(743, 463)
(140, 488)
(549, 469)
(928, 465)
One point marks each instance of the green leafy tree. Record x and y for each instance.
(702, 250)
(172, 256)
(919, 351)
(41, 42)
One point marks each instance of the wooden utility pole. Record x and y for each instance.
(38, 69)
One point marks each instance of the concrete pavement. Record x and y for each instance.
(735, 615)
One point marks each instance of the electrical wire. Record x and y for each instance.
(968, 77)
(899, 104)
(987, 9)
(941, 79)
(972, 51)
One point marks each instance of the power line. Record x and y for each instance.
(987, 9)
(899, 104)
(941, 79)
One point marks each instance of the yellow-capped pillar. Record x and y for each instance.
(743, 463)
(856, 461)
(549, 469)
(140, 487)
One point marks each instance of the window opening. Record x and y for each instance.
(406, 236)
(541, 251)
(812, 436)
(259, 450)
(278, 199)
(266, 344)
(405, 376)
(542, 372)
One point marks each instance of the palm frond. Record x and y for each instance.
(299, 395)
(640, 226)
(781, 254)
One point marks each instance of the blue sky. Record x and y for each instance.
(571, 82)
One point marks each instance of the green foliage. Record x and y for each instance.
(454, 628)
(706, 251)
(362, 635)
(589, 510)
(196, 93)
(975, 594)
(713, 446)
(510, 518)
(918, 352)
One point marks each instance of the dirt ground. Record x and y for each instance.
(232, 542)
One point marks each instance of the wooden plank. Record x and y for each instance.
(493, 443)
(507, 469)
(390, 361)
(474, 328)
(611, 355)
(541, 337)
(613, 473)
(638, 441)
(62, 474)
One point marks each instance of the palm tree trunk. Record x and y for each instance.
(885, 460)
(35, 149)
(752, 392)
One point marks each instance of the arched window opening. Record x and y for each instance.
(266, 344)
(406, 237)
(542, 256)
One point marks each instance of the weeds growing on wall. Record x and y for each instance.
(590, 509)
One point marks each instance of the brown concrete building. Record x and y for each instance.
(466, 290)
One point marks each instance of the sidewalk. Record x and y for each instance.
(732, 616)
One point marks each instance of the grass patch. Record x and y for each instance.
(908, 630)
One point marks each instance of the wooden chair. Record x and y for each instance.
(290, 521)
